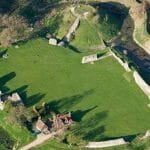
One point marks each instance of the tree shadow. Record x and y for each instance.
(79, 114)
(6, 5)
(3, 52)
(101, 54)
(4, 79)
(28, 100)
(33, 99)
(91, 128)
(127, 138)
(21, 91)
(73, 48)
(65, 104)
(36, 10)
(95, 134)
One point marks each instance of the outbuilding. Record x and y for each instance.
(53, 41)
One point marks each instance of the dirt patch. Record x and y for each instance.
(138, 14)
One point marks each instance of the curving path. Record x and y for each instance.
(41, 138)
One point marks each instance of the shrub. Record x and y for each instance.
(74, 140)
(6, 142)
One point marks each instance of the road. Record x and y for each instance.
(41, 138)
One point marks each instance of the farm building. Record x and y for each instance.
(40, 126)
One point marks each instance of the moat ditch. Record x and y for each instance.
(124, 43)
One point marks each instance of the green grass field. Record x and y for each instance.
(104, 102)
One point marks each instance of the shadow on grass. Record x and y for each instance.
(91, 129)
(4, 79)
(22, 91)
(73, 48)
(32, 100)
(127, 138)
(100, 55)
(79, 114)
(36, 10)
(3, 52)
(28, 100)
(67, 103)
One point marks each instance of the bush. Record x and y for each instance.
(6, 142)
(74, 140)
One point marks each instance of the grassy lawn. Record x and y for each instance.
(105, 101)
(87, 37)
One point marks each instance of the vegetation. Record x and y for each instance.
(66, 21)
(13, 29)
(14, 123)
(56, 145)
(110, 22)
(104, 100)
(6, 141)
(87, 37)
(112, 115)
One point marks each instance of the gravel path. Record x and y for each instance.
(40, 139)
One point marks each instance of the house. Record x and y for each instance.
(62, 121)
(52, 41)
(16, 99)
(65, 118)
(90, 58)
(40, 126)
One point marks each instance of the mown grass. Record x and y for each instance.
(103, 101)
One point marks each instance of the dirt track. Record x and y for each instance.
(40, 139)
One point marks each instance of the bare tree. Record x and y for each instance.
(13, 29)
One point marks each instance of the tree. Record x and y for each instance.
(14, 28)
